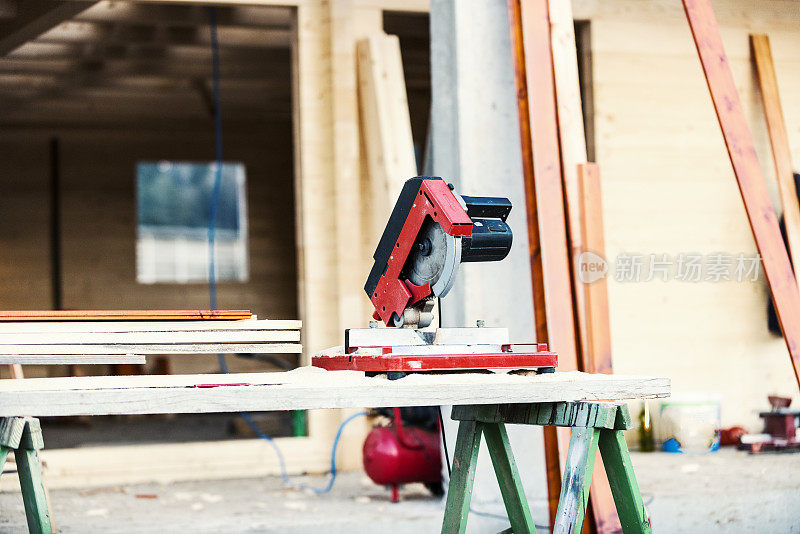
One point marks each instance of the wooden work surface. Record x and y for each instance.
(305, 388)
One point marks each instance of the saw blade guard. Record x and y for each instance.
(430, 232)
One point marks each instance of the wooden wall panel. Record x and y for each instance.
(25, 228)
(669, 188)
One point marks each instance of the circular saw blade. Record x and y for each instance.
(434, 259)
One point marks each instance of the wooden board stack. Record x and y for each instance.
(115, 342)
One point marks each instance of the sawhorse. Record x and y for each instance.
(23, 435)
(594, 424)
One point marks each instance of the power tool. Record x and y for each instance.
(431, 231)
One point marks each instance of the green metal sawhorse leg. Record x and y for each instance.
(594, 425)
(23, 435)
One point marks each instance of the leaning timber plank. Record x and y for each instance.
(572, 141)
(552, 467)
(329, 389)
(96, 338)
(185, 348)
(533, 60)
(70, 359)
(597, 351)
(779, 140)
(147, 326)
(122, 315)
(742, 153)
(596, 340)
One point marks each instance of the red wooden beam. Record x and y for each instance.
(742, 153)
(547, 234)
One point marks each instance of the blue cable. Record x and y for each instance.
(212, 277)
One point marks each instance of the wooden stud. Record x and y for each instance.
(577, 479)
(617, 461)
(753, 188)
(778, 138)
(462, 477)
(519, 513)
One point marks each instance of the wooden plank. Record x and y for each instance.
(505, 468)
(310, 388)
(547, 239)
(70, 359)
(568, 414)
(385, 130)
(577, 479)
(462, 477)
(627, 497)
(11, 429)
(145, 326)
(779, 140)
(596, 348)
(763, 222)
(552, 467)
(181, 348)
(123, 315)
(145, 338)
(34, 497)
(572, 142)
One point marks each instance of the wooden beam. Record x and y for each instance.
(572, 141)
(85, 32)
(753, 188)
(544, 189)
(17, 360)
(385, 132)
(161, 348)
(146, 338)
(779, 140)
(34, 18)
(186, 14)
(72, 327)
(308, 388)
(596, 348)
(598, 338)
(124, 315)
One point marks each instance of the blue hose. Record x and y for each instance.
(212, 278)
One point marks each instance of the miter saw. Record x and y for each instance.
(430, 232)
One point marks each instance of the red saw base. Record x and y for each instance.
(436, 362)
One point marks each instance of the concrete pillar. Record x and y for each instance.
(476, 146)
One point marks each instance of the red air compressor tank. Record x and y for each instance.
(398, 454)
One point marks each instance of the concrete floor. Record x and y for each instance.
(727, 491)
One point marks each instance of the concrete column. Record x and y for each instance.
(476, 146)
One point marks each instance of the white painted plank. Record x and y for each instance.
(69, 359)
(193, 348)
(313, 388)
(147, 326)
(85, 338)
